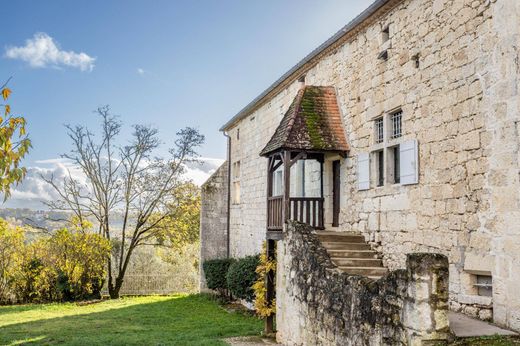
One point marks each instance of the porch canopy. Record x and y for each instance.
(310, 128)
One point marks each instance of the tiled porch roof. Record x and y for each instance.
(312, 123)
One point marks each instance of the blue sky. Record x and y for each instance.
(166, 63)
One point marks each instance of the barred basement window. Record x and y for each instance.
(396, 121)
(379, 130)
(484, 285)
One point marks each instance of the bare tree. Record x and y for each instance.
(123, 181)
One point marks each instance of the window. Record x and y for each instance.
(393, 160)
(380, 162)
(379, 130)
(484, 285)
(236, 182)
(395, 164)
(238, 134)
(386, 33)
(396, 121)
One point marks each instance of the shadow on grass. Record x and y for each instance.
(190, 320)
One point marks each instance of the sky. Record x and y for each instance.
(165, 63)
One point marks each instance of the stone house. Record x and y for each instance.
(401, 129)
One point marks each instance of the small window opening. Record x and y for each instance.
(379, 130)
(301, 79)
(380, 168)
(383, 55)
(238, 134)
(484, 285)
(386, 33)
(416, 60)
(396, 121)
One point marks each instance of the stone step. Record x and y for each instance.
(358, 262)
(341, 237)
(353, 253)
(364, 271)
(343, 245)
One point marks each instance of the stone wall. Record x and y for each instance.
(460, 102)
(319, 305)
(213, 219)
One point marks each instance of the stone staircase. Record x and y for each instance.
(352, 254)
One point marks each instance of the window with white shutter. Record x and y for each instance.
(409, 162)
(363, 171)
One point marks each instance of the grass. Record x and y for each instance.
(487, 341)
(155, 320)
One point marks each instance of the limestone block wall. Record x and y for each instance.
(213, 219)
(453, 69)
(319, 305)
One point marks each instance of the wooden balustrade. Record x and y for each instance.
(275, 213)
(302, 209)
(307, 210)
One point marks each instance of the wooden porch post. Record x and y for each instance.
(286, 186)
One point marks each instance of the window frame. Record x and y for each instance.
(393, 136)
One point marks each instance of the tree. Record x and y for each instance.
(125, 182)
(14, 144)
(11, 244)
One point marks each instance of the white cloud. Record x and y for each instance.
(141, 71)
(43, 51)
(33, 191)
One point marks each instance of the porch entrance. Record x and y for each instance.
(311, 128)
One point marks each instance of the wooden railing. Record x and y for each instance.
(302, 209)
(307, 210)
(275, 213)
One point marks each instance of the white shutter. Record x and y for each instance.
(409, 162)
(363, 171)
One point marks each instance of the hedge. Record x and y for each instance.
(241, 276)
(215, 271)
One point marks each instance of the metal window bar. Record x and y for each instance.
(396, 120)
(379, 130)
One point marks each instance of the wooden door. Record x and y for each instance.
(336, 186)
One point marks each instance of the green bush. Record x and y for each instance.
(241, 276)
(215, 272)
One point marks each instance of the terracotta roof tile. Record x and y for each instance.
(312, 122)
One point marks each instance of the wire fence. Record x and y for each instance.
(149, 284)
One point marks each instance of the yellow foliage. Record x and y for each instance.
(5, 93)
(266, 265)
(11, 243)
(14, 144)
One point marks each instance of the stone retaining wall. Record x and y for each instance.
(319, 305)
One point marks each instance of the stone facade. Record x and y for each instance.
(320, 305)
(453, 69)
(213, 219)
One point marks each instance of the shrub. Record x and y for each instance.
(241, 276)
(215, 272)
(69, 265)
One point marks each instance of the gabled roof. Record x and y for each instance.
(312, 123)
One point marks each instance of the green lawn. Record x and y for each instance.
(174, 320)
